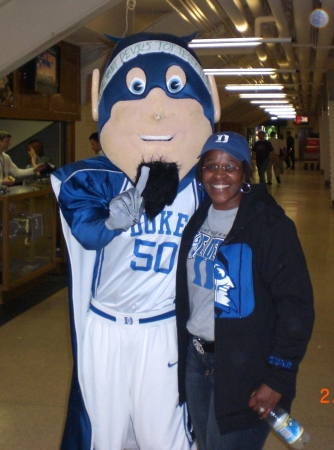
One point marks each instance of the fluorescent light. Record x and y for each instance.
(275, 102)
(279, 113)
(224, 45)
(268, 95)
(250, 71)
(224, 72)
(230, 42)
(254, 87)
(222, 40)
(282, 110)
(236, 42)
(279, 107)
(274, 107)
(273, 118)
(275, 112)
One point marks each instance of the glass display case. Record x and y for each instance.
(27, 235)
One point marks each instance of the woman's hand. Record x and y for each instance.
(40, 168)
(264, 400)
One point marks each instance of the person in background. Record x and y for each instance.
(36, 157)
(273, 162)
(262, 149)
(290, 147)
(9, 172)
(244, 303)
(95, 144)
(282, 152)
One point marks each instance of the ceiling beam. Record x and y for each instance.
(29, 27)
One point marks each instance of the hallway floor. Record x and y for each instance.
(35, 354)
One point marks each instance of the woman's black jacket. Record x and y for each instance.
(267, 344)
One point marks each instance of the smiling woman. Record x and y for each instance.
(222, 177)
(243, 299)
(225, 169)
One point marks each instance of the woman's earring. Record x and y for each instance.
(245, 188)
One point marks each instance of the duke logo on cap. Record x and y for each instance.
(230, 142)
(223, 138)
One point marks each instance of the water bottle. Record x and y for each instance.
(293, 433)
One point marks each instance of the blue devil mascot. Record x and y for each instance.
(123, 214)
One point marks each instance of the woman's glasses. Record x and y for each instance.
(229, 168)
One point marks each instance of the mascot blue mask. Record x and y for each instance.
(137, 51)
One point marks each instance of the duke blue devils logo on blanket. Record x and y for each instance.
(234, 292)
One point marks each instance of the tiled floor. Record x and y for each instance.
(35, 356)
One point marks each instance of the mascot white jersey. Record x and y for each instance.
(123, 215)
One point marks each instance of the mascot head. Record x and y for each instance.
(154, 103)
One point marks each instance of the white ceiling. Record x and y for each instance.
(310, 53)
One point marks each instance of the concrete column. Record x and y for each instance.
(331, 149)
(330, 86)
(324, 146)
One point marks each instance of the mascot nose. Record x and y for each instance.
(158, 104)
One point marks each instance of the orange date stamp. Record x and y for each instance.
(325, 396)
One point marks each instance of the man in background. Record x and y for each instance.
(282, 152)
(273, 162)
(290, 148)
(262, 149)
(95, 144)
(8, 170)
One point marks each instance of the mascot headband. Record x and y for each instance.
(145, 48)
(154, 54)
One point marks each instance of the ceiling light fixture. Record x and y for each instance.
(267, 102)
(254, 87)
(275, 111)
(272, 108)
(236, 42)
(226, 72)
(277, 106)
(245, 72)
(280, 107)
(268, 95)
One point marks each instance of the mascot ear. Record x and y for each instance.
(215, 98)
(95, 94)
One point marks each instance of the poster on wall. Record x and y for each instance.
(47, 71)
(6, 91)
